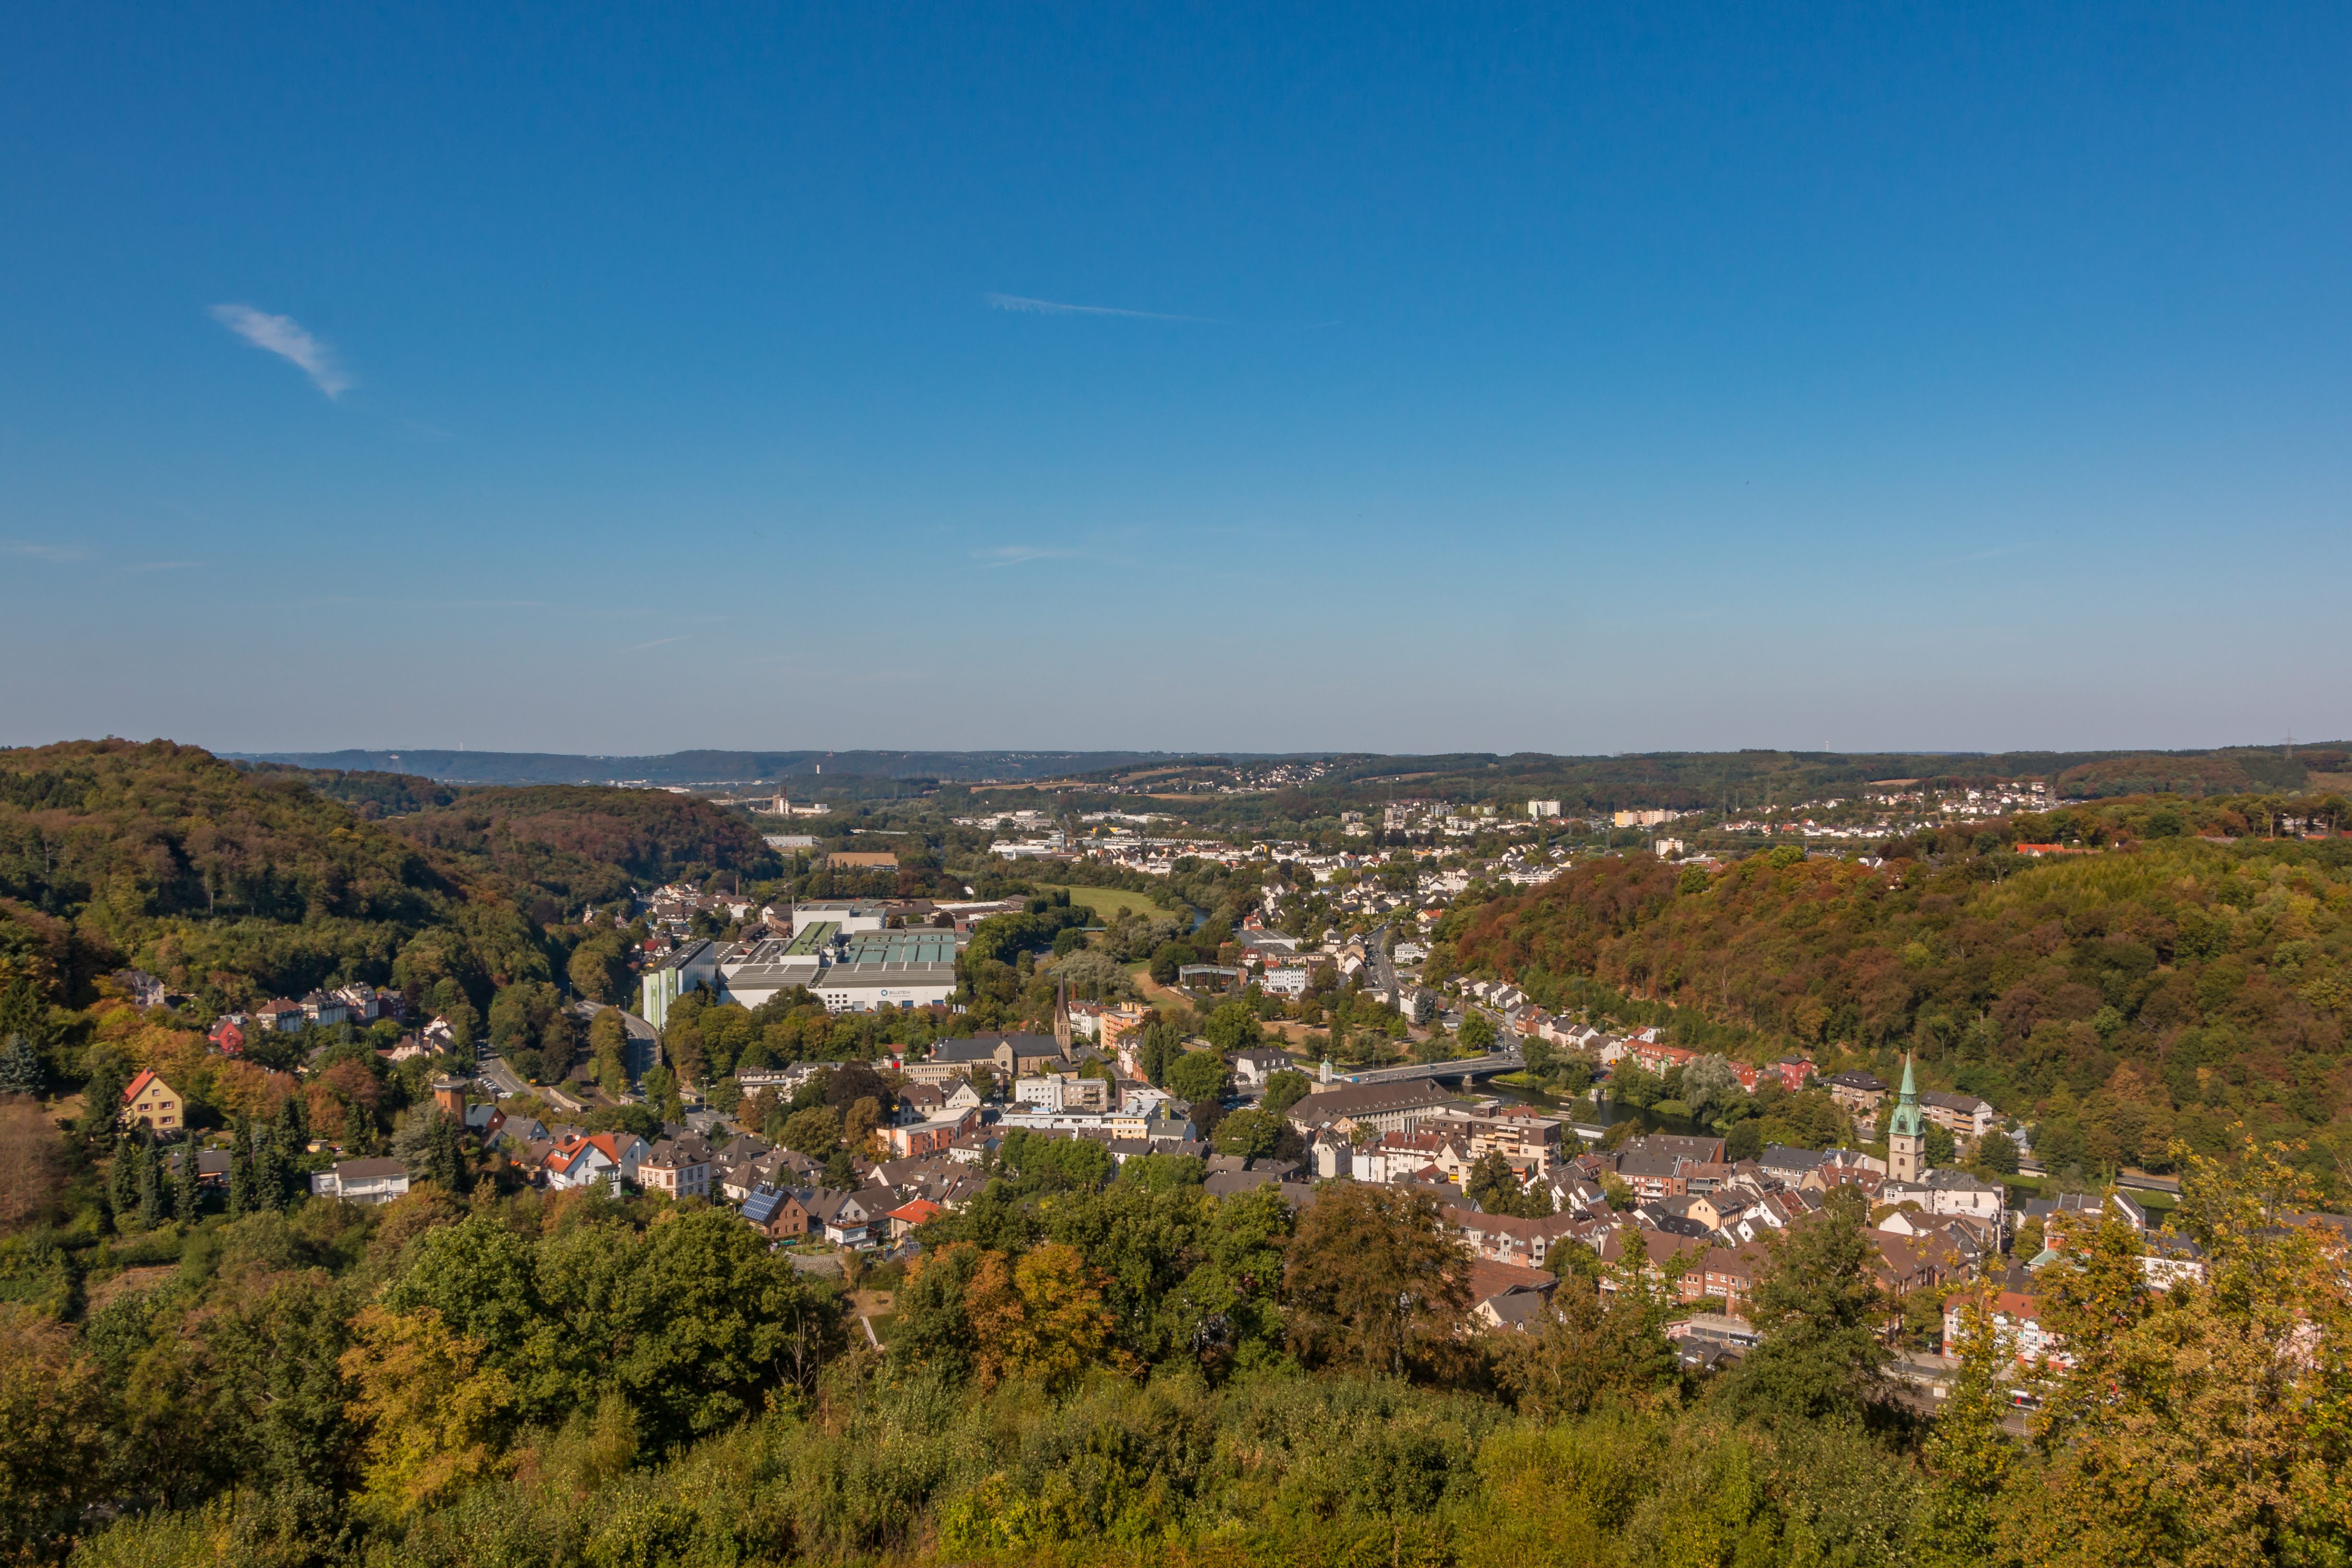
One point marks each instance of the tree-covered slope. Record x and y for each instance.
(163, 855)
(2146, 988)
(583, 843)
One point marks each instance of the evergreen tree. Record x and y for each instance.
(187, 1195)
(21, 1071)
(293, 1124)
(101, 1096)
(241, 1201)
(122, 1182)
(268, 1171)
(151, 1184)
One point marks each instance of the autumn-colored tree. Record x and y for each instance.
(2212, 1422)
(32, 1161)
(51, 1413)
(1043, 1317)
(1373, 1280)
(433, 1415)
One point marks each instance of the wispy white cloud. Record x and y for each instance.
(1017, 555)
(656, 643)
(1024, 305)
(39, 551)
(288, 338)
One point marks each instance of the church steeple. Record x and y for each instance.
(1907, 1132)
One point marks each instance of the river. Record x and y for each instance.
(1590, 1113)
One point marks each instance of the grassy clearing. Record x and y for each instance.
(1106, 902)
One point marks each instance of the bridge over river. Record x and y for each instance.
(1467, 1068)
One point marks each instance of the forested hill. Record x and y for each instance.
(708, 767)
(574, 844)
(166, 857)
(2156, 985)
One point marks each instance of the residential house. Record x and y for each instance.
(2171, 1259)
(774, 1214)
(585, 1160)
(936, 1137)
(325, 1009)
(1700, 1150)
(359, 1181)
(1063, 1091)
(1728, 1272)
(1511, 1297)
(1944, 1191)
(212, 1167)
(281, 1016)
(1252, 1068)
(1859, 1093)
(904, 1218)
(845, 1218)
(1509, 1239)
(1964, 1116)
(1794, 1166)
(2016, 1325)
(152, 1103)
(144, 989)
(677, 1168)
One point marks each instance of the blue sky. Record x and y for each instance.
(1511, 377)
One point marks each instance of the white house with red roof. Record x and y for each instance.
(583, 1161)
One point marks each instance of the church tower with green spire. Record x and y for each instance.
(1907, 1133)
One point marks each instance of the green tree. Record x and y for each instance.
(187, 1193)
(1593, 1348)
(1233, 1027)
(1160, 1047)
(2203, 1424)
(1710, 1087)
(1250, 1135)
(1284, 1089)
(268, 1170)
(1374, 1281)
(21, 1070)
(1198, 1076)
(1818, 1309)
(101, 1095)
(122, 1181)
(599, 968)
(52, 1435)
(815, 1131)
(1477, 1034)
(1496, 1187)
(1995, 1153)
(1969, 1454)
(243, 1200)
(660, 1086)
